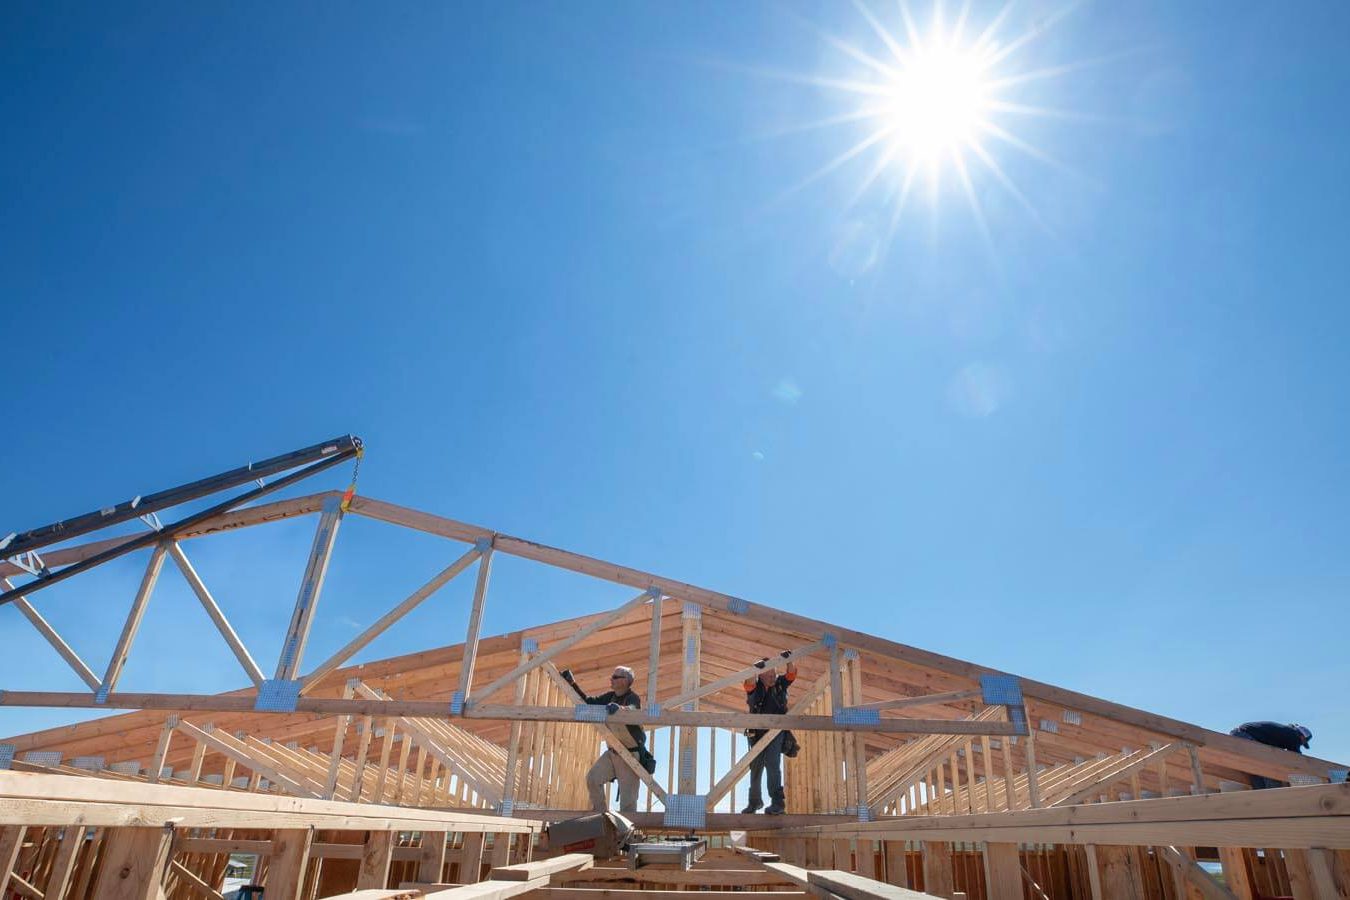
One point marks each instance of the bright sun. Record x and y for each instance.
(936, 104)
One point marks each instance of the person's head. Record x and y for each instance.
(768, 674)
(1306, 733)
(621, 680)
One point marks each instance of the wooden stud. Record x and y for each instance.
(134, 864)
(937, 868)
(217, 616)
(1002, 871)
(132, 625)
(286, 867)
(475, 623)
(376, 857)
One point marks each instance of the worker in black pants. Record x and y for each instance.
(767, 694)
(1273, 734)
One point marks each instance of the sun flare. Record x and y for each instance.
(936, 104)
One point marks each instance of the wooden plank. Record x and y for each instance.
(1236, 875)
(217, 616)
(738, 677)
(529, 871)
(193, 879)
(134, 864)
(1118, 869)
(487, 890)
(1193, 880)
(897, 871)
(856, 887)
(382, 624)
(566, 893)
(376, 856)
(11, 842)
(132, 625)
(286, 866)
(431, 856)
(938, 878)
(471, 857)
(311, 587)
(58, 643)
(63, 866)
(475, 626)
(555, 649)
(1002, 872)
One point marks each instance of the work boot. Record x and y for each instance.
(775, 808)
(753, 807)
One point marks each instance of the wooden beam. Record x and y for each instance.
(544, 656)
(58, 643)
(217, 616)
(926, 700)
(132, 625)
(134, 863)
(11, 843)
(376, 857)
(528, 871)
(855, 887)
(193, 879)
(1002, 872)
(691, 655)
(354, 646)
(1119, 873)
(431, 856)
(286, 866)
(1190, 873)
(63, 866)
(735, 678)
(311, 586)
(938, 878)
(475, 627)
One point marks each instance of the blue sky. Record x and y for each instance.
(549, 262)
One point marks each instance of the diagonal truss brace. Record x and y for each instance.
(58, 643)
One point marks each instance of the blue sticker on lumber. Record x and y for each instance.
(277, 695)
(852, 715)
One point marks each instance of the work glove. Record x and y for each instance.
(760, 664)
(567, 676)
(612, 708)
(785, 654)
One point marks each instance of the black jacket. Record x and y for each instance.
(1272, 734)
(630, 699)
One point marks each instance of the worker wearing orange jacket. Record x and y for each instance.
(767, 694)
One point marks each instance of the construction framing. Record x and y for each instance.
(902, 750)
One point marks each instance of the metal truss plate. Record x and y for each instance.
(1017, 715)
(6, 755)
(1001, 690)
(590, 712)
(654, 711)
(507, 807)
(738, 607)
(529, 645)
(1049, 725)
(864, 814)
(131, 767)
(277, 695)
(1338, 776)
(1298, 779)
(1072, 718)
(43, 757)
(91, 763)
(457, 703)
(686, 811)
(852, 715)
(691, 610)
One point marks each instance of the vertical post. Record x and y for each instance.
(339, 738)
(297, 634)
(987, 764)
(1002, 871)
(471, 857)
(431, 857)
(133, 622)
(286, 868)
(475, 620)
(858, 742)
(1033, 782)
(513, 747)
(134, 863)
(11, 842)
(376, 857)
(162, 749)
(1117, 873)
(654, 653)
(1197, 773)
(501, 849)
(937, 868)
(691, 621)
(1236, 875)
(72, 839)
(1009, 788)
(897, 870)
